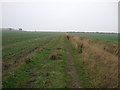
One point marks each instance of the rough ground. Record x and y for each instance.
(61, 61)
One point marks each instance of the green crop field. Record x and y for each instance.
(59, 60)
(100, 36)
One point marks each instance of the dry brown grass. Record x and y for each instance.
(101, 61)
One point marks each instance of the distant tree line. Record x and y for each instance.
(95, 32)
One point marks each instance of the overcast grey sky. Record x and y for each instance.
(61, 16)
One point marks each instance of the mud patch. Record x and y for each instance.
(28, 60)
(55, 57)
(45, 74)
(29, 84)
(58, 48)
(5, 67)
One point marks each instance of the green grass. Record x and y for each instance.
(81, 70)
(16, 42)
(26, 45)
(105, 37)
(78, 63)
(10, 37)
(40, 65)
(37, 70)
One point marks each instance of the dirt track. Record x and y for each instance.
(71, 66)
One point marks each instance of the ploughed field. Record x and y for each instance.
(59, 60)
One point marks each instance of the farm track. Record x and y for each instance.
(72, 72)
(70, 63)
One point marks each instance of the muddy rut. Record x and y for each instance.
(73, 72)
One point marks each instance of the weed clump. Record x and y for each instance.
(80, 47)
(68, 37)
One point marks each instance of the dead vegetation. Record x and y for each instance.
(101, 60)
